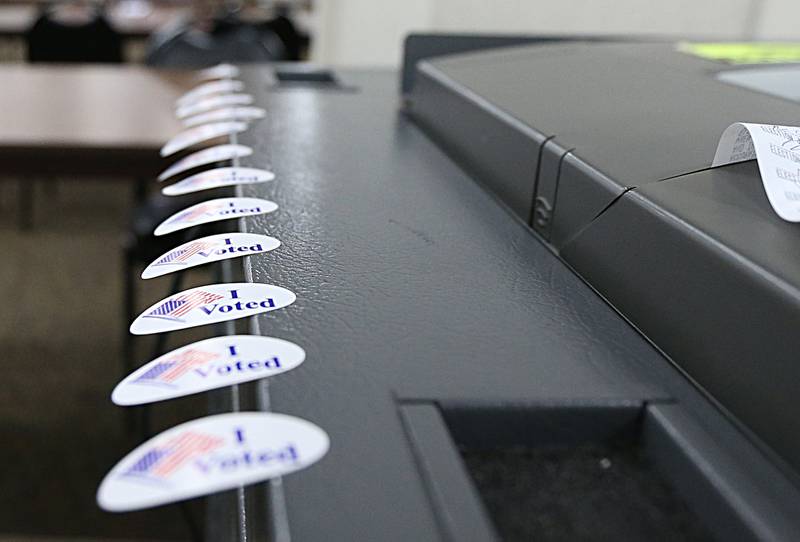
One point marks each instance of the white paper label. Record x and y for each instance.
(211, 454)
(222, 246)
(777, 150)
(198, 134)
(214, 210)
(211, 155)
(216, 178)
(220, 71)
(226, 86)
(209, 305)
(243, 113)
(207, 365)
(213, 102)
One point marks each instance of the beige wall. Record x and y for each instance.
(370, 32)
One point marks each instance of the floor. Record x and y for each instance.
(60, 332)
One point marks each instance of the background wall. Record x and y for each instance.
(370, 32)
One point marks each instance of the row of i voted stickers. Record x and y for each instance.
(223, 451)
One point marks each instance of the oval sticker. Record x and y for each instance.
(213, 248)
(209, 89)
(212, 102)
(218, 153)
(214, 210)
(198, 134)
(243, 113)
(209, 305)
(216, 178)
(220, 71)
(207, 365)
(211, 454)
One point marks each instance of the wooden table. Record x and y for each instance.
(99, 120)
(86, 120)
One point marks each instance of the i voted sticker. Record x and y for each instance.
(214, 210)
(207, 365)
(222, 246)
(211, 454)
(198, 134)
(220, 71)
(209, 305)
(216, 178)
(213, 102)
(242, 113)
(209, 89)
(218, 153)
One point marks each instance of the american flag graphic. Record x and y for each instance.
(200, 210)
(175, 307)
(167, 371)
(179, 256)
(162, 461)
(213, 177)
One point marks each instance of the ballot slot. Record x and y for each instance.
(552, 472)
(319, 77)
(600, 488)
(305, 78)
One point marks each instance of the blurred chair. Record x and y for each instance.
(229, 41)
(84, 36)
(293, 41)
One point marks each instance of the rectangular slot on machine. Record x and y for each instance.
(551, 472)
(315, 77)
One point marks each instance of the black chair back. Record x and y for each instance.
(230, 41)
(51, 40)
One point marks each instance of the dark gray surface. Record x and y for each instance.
(453, 496)
(418, 47)
(726, 270)
(413, 283)
(488, 143)
(637, 112)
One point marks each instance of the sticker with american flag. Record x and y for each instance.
(214, 178)
(214, 210)
(208, 364)
(211, 454)
(211, 304)
(221, 246)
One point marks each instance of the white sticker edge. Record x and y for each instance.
(230, 128)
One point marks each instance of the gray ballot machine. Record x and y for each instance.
(531, 308)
